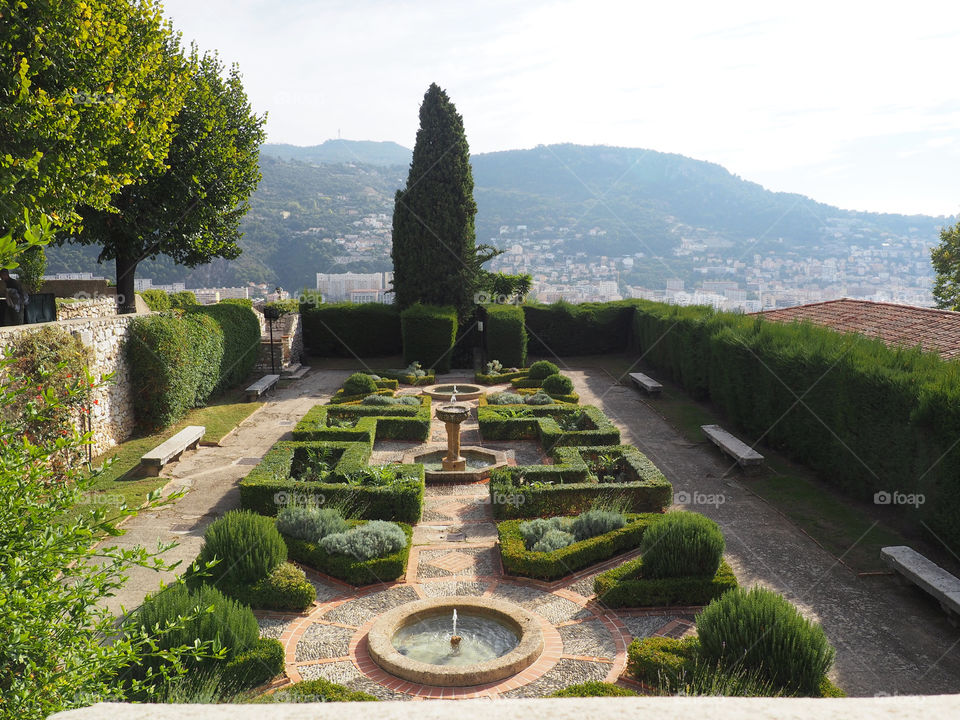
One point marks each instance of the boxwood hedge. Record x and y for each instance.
(517, 560)
(625, 586)
(350, 569)
(396, 422)
(506, 334)
(241, 341)
(528, 422)
(562, 329)
(566, 487)
(429, 333)
(498, 378)
(269, 486)
(351, 330)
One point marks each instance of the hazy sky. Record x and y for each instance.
(853, 103)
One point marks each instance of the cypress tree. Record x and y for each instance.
(435, 258)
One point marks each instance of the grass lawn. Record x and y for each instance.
(124, 481)
(838, 523)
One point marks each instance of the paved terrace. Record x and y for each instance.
(889, 639)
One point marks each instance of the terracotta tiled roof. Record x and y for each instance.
(904, 325)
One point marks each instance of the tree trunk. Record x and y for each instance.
(126, 270)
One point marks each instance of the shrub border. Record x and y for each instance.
(618, 587)
(350, 570)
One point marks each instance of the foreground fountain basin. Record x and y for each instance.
(519, 621)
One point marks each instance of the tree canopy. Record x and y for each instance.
(85, 104)
(946, 263)
(190, 210)
(435, 257)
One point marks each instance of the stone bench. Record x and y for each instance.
(925, 574)
(646, 383)
(737, 449)
(261, 386)
(172, 449)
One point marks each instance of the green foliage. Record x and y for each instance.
(553, 540)
(62, 647)
(352, 330)
(429, 332)
(759, 630)
(350, 568)
(386, 400)
(654, 659)
(229, 626)
(946, 264)
(435, 259)
(310, 523)
(247, 546)
(542, 422)
(262, 662)
(156, 300)
(558, 563)
(375, 539)
(682, 544)
(533, 530)
(594, 688)
(242, 302)
(182, 300)
(539, 398)
(71, 135)
(32, 265)
(596, 522)
(314, 691)
(562, 329)
(241, 341)
(505, 334)
(285, 588)
(557, 385)
(281, 307)
(626, 586)
(359, 384)
(505, 398)
(275, 483)
(189, 210)
(541, 370)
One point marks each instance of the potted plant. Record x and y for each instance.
(42, 307)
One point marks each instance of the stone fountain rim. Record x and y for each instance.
(473, 394)
(499, 460)
(524, 623)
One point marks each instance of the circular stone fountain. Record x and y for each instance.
(494, 640)
(458, 391)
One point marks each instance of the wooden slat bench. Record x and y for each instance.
(737, 449)
(261, 386)
(172, 449)
(925, 574)
(646, 383)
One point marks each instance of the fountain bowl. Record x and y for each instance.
(453, 413)
(480, 462)
(462, 391)
(522, 623)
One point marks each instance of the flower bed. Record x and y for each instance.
(518, 560)
(348, 568)
(624, 586)
(542, 422)
(373, 422)
(568, 486)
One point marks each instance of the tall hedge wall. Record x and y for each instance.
(241, 341)
(506, 335)
(349, 330)
(562, 329)
(179, 361)
(428, 335)
(868, 417)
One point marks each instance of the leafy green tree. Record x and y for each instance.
(59, 648)
(946, 263)
(86, 99)
(191, 210)
(435, 257)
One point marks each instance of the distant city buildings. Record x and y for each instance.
(205, 296)
(355, 287)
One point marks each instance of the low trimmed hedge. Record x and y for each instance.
(594, 688)
(351, 330)
(571, 398)
(565, 488)
(498, 378)
(623, 586)
(259, 664)
(285, 588)
(429, 333)
(349, 569)
(314, 691)
(539, 422)
(398, 422)
(506, 334)
(339, 397)
(406, 378)
(269, 486)
(517, 560)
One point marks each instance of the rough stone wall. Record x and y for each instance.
(111, 406)
(97, 308)
(287, 341)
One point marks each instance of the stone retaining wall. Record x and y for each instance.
(111, 406)
(105, 306)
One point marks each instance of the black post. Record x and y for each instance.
(273, 367)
